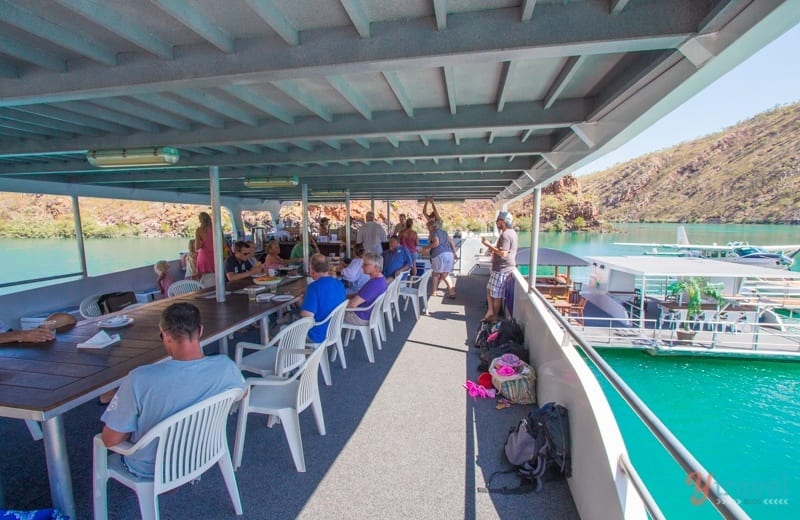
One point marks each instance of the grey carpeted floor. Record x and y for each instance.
(403, 441)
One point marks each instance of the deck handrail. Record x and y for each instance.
(719, 498)
(37, 280)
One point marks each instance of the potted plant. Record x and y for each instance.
(695, 289)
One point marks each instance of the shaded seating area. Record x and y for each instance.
(457, 442)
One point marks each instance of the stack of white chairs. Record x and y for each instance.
(284, 353)
(183, 287)
(284, 398)
(187, 444)
(415, 290)
(333, 336)
(373, 329)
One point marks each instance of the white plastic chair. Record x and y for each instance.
(333, 336)
(415, 290)
(284, 398)
(267, 361)
(208, 280)
(392, 299)
(89, 308)
(373, 328)
(183, 287)
(187, 444)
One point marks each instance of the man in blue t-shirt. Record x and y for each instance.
(323, 295)
(396, 259)
(151, 393)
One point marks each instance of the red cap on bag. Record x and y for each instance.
(485, 380)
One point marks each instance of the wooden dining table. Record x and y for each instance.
(41, 381)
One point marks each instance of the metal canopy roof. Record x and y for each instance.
(388, 99)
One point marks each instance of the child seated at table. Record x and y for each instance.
(164, 280)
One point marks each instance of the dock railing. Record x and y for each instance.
(719, 498)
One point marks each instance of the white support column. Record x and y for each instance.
(305, 234)
(76, 215)
(348, 239)
(219, 240)
(388, 218)
(534, 260)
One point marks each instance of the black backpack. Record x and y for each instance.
(116, 301)
(539, 442)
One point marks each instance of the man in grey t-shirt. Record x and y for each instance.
(504, 254)
(151, 393)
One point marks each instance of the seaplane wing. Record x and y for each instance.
(681, 247)
(781, 248)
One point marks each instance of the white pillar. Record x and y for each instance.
(219, 240)
(534, 260)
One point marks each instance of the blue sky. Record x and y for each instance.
(768, 78)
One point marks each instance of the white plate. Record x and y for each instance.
(264, 298)
(283, 297)
(115, 322)
(294, 276)
(271, 282)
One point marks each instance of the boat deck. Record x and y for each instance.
(403, 440)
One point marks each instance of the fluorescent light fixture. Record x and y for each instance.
(341, 194)
(155, 156)
(271, 182)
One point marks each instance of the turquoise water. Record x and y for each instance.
(38, 258)
(740, 419)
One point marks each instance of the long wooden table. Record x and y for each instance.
(41, 381)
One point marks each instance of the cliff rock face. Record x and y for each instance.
(564, 208)
(748, 173)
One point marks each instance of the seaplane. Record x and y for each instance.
(775, 256)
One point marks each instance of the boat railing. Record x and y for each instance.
(716, 494)
(711, 333)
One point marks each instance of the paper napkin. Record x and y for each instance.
(100, 340)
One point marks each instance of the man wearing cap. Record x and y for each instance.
(504, 254)
(396, 259)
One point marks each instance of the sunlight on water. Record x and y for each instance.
(740, 419)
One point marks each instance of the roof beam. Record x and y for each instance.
(142, 110)
(440, 11)
(47, 122)
(527, 10)
(74, 117)
(47, 30)
(165, 102)
(218, 105)
(400, 92)
(358, 15)
(408, 150)
(450, 83)
(517, 117)
(506, 77)
(307, 100)
(330, 53)
(617, 6)
(351, 95)
(124, 27)
(275, 19)
(204, 27)
(27, 53)
(565, 75)
(260, 102)
(114, 116)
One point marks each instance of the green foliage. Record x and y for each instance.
(695, 289)
(579, 223)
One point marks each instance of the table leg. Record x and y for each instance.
(55, 450)
(265, 330)
(223, 345)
